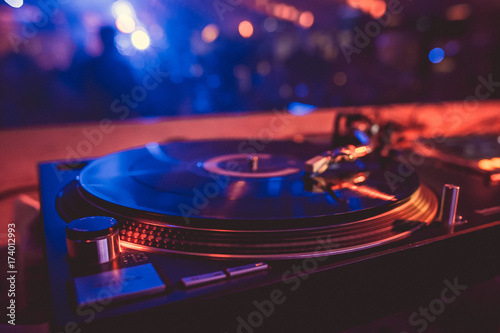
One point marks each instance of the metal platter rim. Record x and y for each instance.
(425, 217)
(350, 223)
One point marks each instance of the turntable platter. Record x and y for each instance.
(223, 200)
(211, 180)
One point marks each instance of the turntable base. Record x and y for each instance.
(330, 292)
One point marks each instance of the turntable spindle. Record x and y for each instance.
(253, 162)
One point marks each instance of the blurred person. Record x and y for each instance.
(106, 78)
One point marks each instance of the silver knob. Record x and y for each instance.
(448, 208)
(93, 239)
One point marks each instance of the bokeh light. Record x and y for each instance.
(245, 29)
(340, 79)
(196, 70)
(140, 40)
(458, 12)
(436, 55)
(306, 19)
(125, 24)
(271, 24)
(241, 72)
(124, 45)
(263, 68)
(448, 65)
(489, 164)
(210, 33)
(122, 7)
(300, 109)
(377, 9)
(15, 3)
(285, 12)
(353, 3)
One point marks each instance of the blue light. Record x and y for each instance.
(300, 109)
(362, 137)
(274, 186)
(331, 199)
(436, 55)
(296, 189)
(354, 203)
(301, 90)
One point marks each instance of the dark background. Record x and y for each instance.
(68, 61)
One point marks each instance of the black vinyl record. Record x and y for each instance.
(207, 183)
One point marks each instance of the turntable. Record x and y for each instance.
(223, 236)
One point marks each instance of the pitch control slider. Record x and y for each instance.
(196, 280)
(235, 271)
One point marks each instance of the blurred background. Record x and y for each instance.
(69, 61)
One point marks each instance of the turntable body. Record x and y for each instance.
(295, 260)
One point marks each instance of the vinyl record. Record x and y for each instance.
(247, 199)
(212, 181)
